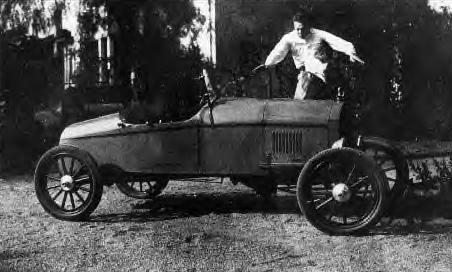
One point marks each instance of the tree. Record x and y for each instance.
(29, 76)
(147, 42)
(406, 80)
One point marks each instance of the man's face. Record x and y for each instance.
(300, 28)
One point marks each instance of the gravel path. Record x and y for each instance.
(213, 227)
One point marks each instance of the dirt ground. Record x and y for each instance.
(213, 227)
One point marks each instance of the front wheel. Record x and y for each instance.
(342, 191)
(67, 183)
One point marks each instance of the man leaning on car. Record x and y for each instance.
(307, 46)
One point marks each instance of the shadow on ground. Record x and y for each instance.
(408, 215)
(172, 206)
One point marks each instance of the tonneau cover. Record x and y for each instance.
(271, 111)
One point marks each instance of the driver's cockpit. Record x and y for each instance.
(156, 109)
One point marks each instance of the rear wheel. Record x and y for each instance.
(342, 191)
(142, 187)
(391, 162)
(67, 183)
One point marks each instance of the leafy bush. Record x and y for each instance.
(433, 176)
(30, 80)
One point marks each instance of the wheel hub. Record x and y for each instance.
(341, 192)
(67, 183)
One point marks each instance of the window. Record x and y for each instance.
(71, 65)
(94, 68)
(105, 61)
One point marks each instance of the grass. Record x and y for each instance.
(212, 227)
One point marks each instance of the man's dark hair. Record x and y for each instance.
(303, 17)
(298, 17)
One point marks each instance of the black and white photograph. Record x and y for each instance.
(225, 135)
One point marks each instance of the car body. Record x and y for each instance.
(233, 137)
(258, 142)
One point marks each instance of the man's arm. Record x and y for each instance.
(278, 53)
(341, 45)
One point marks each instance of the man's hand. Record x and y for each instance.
(355, 58)
(258, 68)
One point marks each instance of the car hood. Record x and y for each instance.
(104, 124)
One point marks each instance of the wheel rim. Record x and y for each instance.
(67, 183)
(341, 195)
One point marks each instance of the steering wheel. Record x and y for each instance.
(209, 96)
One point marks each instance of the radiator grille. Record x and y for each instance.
(286, 142)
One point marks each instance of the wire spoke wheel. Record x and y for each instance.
(342, 191)
(142, 187)
(67, 183)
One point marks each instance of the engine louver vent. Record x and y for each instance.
(287, 142)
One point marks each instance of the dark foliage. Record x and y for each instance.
(30, 80)
(406, 78)
(404, 85)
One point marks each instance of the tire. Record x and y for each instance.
(339, 179)
(146, 189)
(391, 161)
(67, 183)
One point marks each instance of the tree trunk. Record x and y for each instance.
(2, 51)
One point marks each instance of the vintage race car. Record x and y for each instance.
(259, 142)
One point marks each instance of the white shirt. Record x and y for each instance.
(304, 50)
